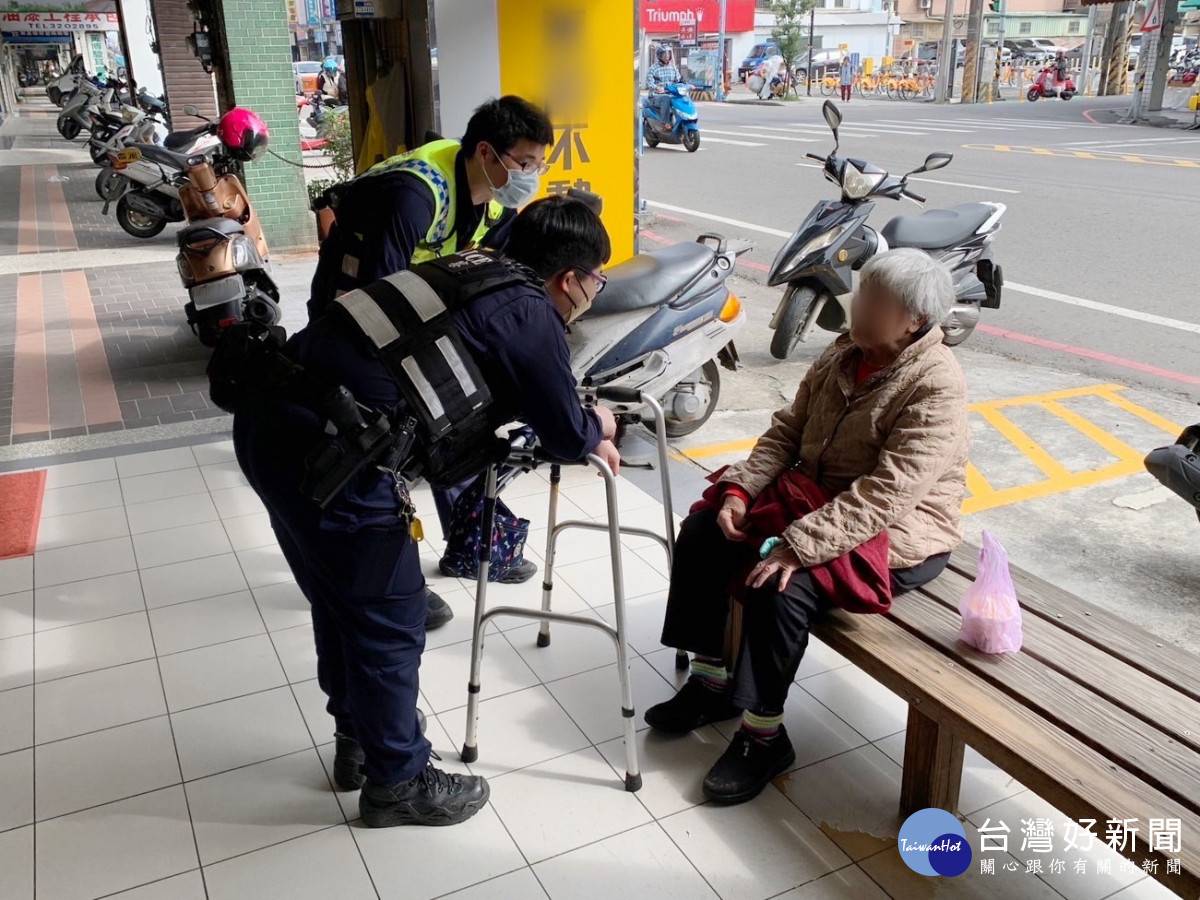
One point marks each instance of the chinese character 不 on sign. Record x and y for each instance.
(568, 146)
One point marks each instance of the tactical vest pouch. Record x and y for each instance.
(406, 319)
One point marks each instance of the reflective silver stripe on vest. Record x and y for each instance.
(370, 318)
(465, 381)
(420, 296)
(421, 383)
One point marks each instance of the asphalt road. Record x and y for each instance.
(1095, 241)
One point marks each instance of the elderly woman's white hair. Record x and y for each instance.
(914, 278)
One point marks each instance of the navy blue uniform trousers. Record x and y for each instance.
(368, 607)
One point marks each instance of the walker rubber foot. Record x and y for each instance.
(469, 754)
(543, 640)
(633, 782)
(681, 662)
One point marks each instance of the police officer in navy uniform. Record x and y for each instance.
(356, 561)
(435, 200)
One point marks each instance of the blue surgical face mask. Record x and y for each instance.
(519, 188)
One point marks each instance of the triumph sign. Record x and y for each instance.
(668, 16)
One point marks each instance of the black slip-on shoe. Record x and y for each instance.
(747, 766)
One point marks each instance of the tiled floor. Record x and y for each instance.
(162, 734)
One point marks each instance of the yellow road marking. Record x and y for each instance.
(1109, 156)
(1109, 393)
(1033, 451)
(1038, 489)
(1117, 448)
(1066, 394)
(718, 449)
(977, 484)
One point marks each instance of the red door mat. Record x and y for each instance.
(20, 512)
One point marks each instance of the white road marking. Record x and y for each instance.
(708, 139)
(1136, 315)
(1111, 143)
(977, 187)
(765, 137)
(1003, 123)
(675, 147)
(931, 127)
(857, 130)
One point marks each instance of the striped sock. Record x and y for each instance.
(761, 726)
(710, 672)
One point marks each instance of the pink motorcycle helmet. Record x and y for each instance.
(244, 133)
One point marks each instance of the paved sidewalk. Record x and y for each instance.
(93, 337)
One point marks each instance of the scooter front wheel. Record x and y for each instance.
(1032, 94)
(68, 127)
(791, 321)
(109, 184)
(691, 141)
(648, 134)
(139, 224)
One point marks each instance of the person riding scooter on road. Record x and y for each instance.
(331, 83)
(657, 80)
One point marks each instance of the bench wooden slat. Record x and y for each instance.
(1131, 743)
(1103, 629)
(1070, 775)
(1157, 704)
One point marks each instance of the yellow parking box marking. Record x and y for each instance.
(1112, 445)
(977, 484)
(1102, 155)
(1065, 394)
(1039, 489)
(720, 449)
(1109, 393)
(1051, 467)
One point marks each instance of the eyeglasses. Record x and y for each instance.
(528, 168)
(601, 280)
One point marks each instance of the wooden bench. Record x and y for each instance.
(1095, 715)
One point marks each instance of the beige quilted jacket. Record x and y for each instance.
(891, 451)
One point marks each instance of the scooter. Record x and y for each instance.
(818, 261)
(680, 126)
(663, 326)
(1178, 466)
(1048, 85)
(60, 89)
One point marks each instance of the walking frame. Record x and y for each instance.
(527, 459)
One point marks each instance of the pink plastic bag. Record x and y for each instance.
(991, 616)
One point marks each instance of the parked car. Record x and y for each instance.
(756, 57)
(822, 60)
(1027, 50)
(928, 51)
(306, 76)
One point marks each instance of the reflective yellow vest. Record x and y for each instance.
(433, 163)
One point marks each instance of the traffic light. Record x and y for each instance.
(994, 5)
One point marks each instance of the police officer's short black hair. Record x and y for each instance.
(503, 122)
(558, 233)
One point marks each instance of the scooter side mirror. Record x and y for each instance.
(191, 110)
(933, 162)
(833, 117)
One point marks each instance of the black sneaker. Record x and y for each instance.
(432, 798)
(349, 758)
(518, 573)
(693, 706)
(439, 611)
(747, 766)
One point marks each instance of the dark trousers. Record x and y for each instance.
(368, 609)
(846, 92)
(775, 624)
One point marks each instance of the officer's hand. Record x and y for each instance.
(608, 452)
(608, 422)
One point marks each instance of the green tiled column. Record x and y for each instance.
(260, 59)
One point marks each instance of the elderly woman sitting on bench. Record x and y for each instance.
(850, 497)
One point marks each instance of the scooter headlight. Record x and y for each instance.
(821, 241)
(856, 184)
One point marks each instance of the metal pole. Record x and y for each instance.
(945, 79)
(1162, 60)
(1085, 73)
(812, 24)
(721, 54)
(999, 53)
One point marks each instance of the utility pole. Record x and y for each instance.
(1162, 60)
(721, 54)
(1001, 8)
(812, 22)
(1116, 48)
(973, 57)
(945, 79)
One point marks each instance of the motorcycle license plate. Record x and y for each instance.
(127, 157)
(214, 293)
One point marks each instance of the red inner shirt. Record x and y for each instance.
(865, 370)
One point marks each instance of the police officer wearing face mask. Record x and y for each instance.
(355, 559)
(431, 202)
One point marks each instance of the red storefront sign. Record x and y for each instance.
(666, 16)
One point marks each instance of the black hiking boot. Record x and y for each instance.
(349, 758)
(747, 766)
(693, 706)
(439, 611)
(432, 798)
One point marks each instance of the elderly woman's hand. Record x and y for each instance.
(782, 563)
(732, 517)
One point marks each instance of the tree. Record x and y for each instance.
(791, 29)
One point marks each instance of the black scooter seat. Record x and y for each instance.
(938, 228)
(177, 140)
(651, 279)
